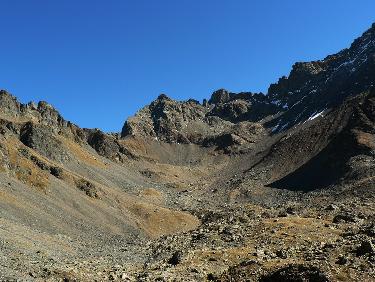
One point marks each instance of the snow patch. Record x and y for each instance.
(279, 103)
(316, 115)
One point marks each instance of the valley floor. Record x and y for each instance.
(193, 218)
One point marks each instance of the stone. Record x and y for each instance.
(87, 187)
(342, 260)
(331, 207)
(112, 277)
(366, 247)
(282, 254)
(296, 273)
(345, 217)
(176, 258)
(56, 171)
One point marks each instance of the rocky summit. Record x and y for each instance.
(241, 187)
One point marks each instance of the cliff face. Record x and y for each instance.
(316, 86)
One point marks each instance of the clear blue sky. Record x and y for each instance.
(98, 62)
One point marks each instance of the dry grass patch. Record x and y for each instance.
(82, 154)
(25, 170)
(152, 195)
(177, 177)
(299, 228)
(138, 147)
(157, 221)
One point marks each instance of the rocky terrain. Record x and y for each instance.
(241, 187)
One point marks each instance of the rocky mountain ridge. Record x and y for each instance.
(310, 89)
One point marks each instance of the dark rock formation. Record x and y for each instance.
(219, 97)
(176, 258)
(348, 155)
(103, 144)
(315, 86)
(87, 187)
(41, 138)
(296, 273)
(107, 145)
(366, 247)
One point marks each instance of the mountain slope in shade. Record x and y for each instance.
(347, 155)
(316, 86)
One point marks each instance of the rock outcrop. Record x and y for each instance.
(42, 139)
(313, 87)
(225, 114)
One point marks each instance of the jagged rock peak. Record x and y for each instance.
(313, 87)
(163, 96)
(7, 100)
(4, 92)
(5, 96)
(43, 112)
(219, 96)
(45, 105)
(9, 104)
